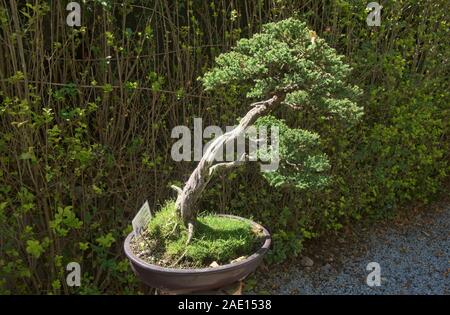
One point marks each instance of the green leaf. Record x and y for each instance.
(34, 248)
(106, 240)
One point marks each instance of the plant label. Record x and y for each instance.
(141, 219)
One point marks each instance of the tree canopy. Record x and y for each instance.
(288, 59)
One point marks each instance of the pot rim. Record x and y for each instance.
(230, 266)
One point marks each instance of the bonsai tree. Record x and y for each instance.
(284, 65)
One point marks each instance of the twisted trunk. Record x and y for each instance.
(189, 196)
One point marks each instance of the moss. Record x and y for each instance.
(216, 238)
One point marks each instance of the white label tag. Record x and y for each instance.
(141, 219)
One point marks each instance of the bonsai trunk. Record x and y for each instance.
(189, 196)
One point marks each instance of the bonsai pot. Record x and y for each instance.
(189, 280)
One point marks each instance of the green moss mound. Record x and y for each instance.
(216, 239)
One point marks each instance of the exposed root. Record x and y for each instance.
(190, 226)
(179, 192)
(174, 228)
(178, 209)
(179, 259)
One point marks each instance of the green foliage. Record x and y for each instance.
(407, 156)
(35, 248)
(65, 219)
(302, 164)
(106, 240)
(287, 58)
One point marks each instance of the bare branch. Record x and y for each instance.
(265, 102)
(256, 140)
(238, 162)
(295, 107)
(177, 189)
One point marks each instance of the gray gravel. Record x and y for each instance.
(414, 259)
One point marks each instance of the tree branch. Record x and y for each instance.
(295, 107)
(239, 161)
(177, 189)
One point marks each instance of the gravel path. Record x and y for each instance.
(414, 258)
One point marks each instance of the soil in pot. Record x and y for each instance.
(217, 241)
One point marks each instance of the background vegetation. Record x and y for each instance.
(86, 115)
